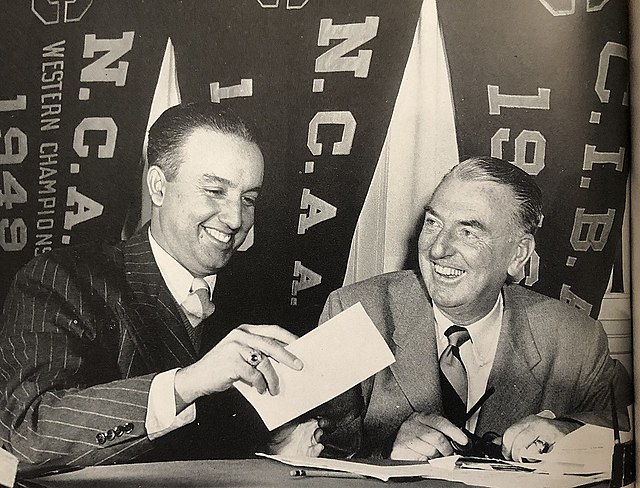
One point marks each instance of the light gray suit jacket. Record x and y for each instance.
(549, 356)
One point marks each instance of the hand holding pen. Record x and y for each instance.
(486, 446)
(426, 436)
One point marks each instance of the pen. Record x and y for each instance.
(41, 471)
(490, 391)
(494, 464)
(479, 446)
(317, 473)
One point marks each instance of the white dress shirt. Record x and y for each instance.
(161, 407)
(477, 354)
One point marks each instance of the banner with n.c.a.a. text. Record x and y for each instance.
(77, 83)
(319, 79)
(544, 84)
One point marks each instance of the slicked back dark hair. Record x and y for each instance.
(525, 190)
(169, 132)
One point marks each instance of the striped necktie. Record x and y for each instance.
(453, 375)
(198, 306)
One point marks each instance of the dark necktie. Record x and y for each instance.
(453, 376)
(198, 306)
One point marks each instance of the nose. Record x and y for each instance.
(441, 245)
(231, 213)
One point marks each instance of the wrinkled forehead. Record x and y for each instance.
(489, 199)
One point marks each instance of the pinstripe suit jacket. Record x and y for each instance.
(84, 331)
(549, 356)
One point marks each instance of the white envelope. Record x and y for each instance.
(337, 355)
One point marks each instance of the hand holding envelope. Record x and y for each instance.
(337, 355)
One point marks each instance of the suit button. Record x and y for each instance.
(101, 438)
(128, 427)
(111, 435)
(119, 430)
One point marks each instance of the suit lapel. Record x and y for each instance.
(416, 366)
(517, 389)
(157, 323)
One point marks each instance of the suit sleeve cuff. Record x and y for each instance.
(161, 408)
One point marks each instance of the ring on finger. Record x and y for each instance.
(255, 358)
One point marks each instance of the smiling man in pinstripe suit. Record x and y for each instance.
(101, 359)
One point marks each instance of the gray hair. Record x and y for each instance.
(525, 190)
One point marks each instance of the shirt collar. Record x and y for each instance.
(176, 276)
(484, 332)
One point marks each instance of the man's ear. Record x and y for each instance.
(156, 184)
(524, 249)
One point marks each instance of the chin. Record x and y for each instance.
(209, 266)
(446, 299)
(445, 303)
(215, 266)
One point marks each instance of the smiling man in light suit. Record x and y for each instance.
(460, 326)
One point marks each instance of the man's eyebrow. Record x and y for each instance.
(476, 224)
(255, 188)
(211, 178)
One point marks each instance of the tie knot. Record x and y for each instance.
(457, 335)
(200, 284)
(198, 303)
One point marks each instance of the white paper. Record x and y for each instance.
(507, 479)
(8, 468)
(372, 469)
(586, 450)
(491, 479)
(337, 355)
(485, 476)
(581, 457)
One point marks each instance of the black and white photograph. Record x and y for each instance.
(273, 243)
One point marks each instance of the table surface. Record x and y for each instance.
(254, 473)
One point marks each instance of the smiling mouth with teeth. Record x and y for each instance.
(219, 236)
(447, 271)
